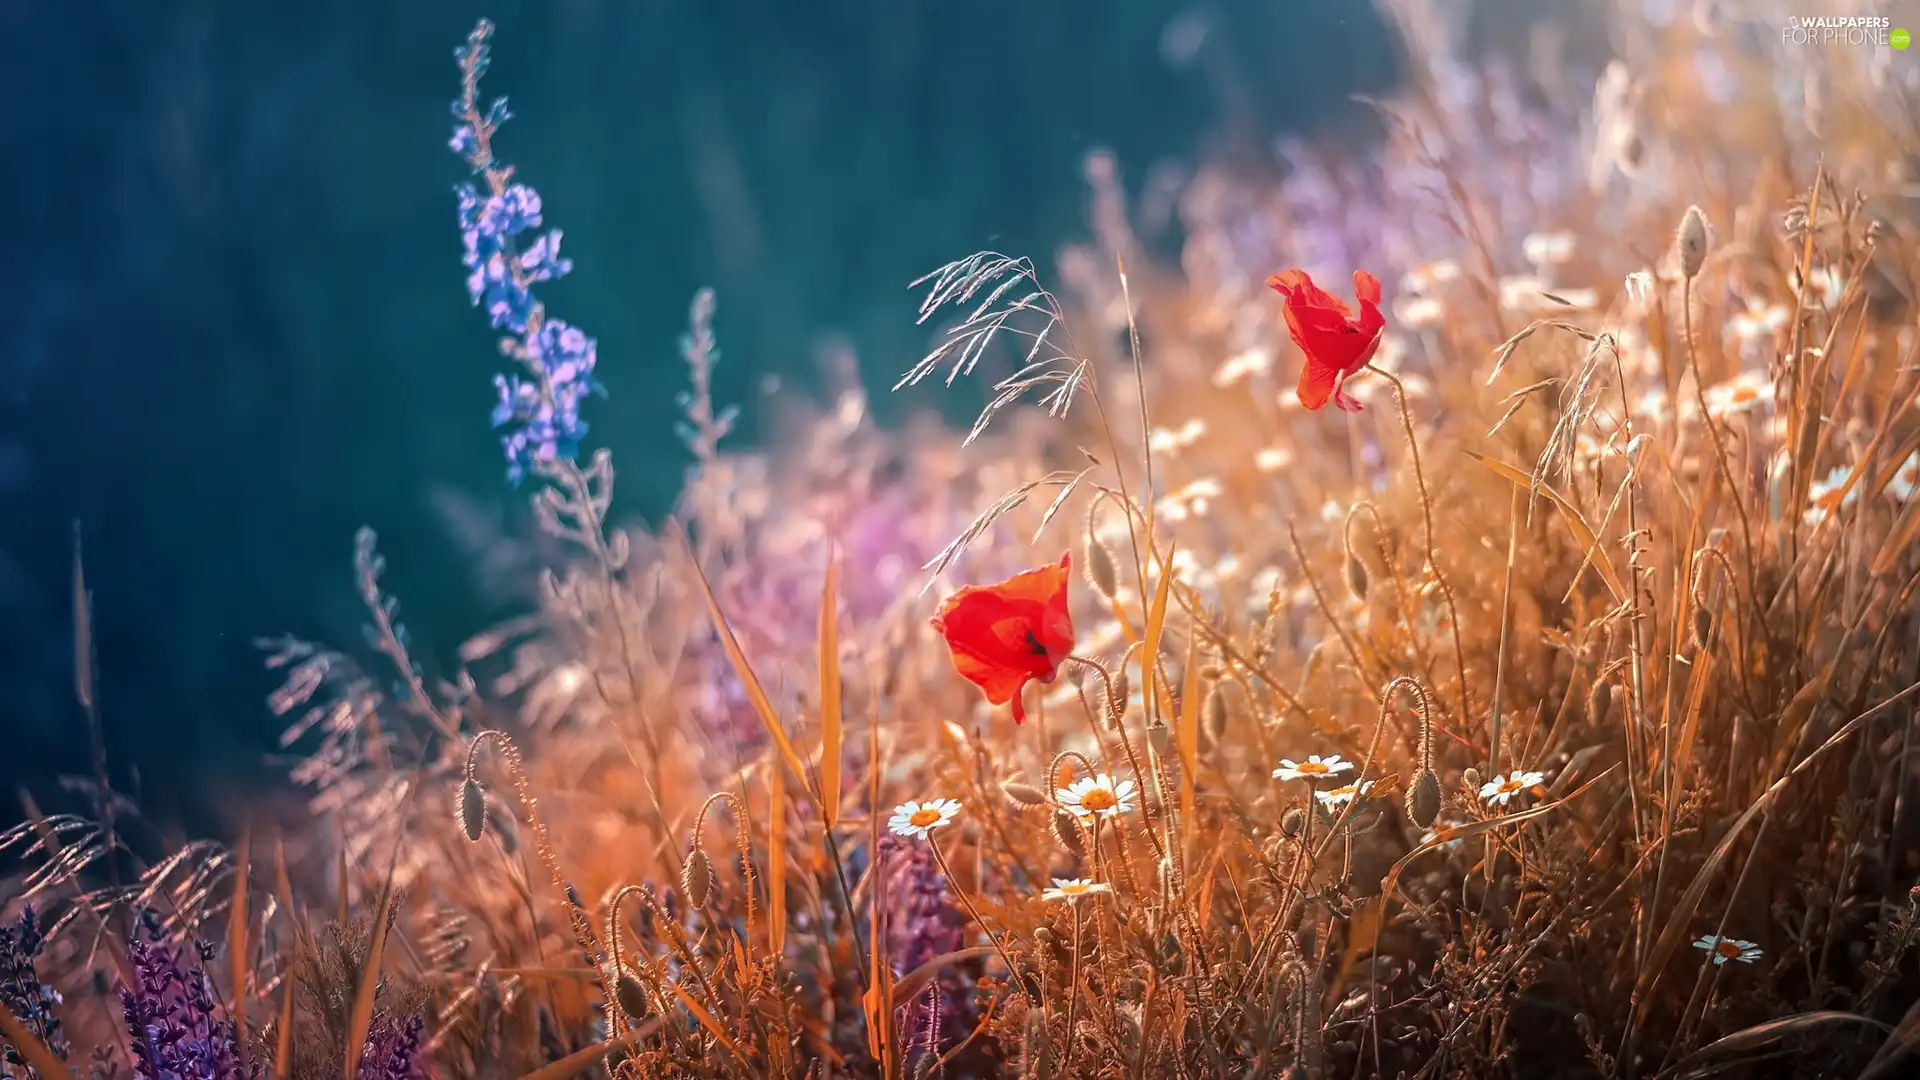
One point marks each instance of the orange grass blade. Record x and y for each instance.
(776, 858)
(283, 1043)
(830, 718)
(1900, 539)
(1762, 1036)
(581, 1060)
(1596, 553)
(237, 948)
(877, 1002)
(1156, 626)
(751, 682)
(707, 1021)
(31, 1048)
(1186, 732)
(361, 1018)
(914, 982)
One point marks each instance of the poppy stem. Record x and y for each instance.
(1426, 512)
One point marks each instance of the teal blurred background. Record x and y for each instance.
(233, 324)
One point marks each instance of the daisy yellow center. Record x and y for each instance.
(923, 817)
(1510, 787)
(1098, 799)
(1743, 394)
(1728, 949)
(1076, 888)
(1312, 767)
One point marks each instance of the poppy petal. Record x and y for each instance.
(1317, 384)
(1366, 288)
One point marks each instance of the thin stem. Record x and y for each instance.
(1426, 515)
(967, 902)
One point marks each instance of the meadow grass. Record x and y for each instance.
(1547, 715)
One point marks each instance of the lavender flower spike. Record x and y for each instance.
(506, 254)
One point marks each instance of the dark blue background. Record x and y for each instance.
(232, 322)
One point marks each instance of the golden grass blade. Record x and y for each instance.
(1762, 1036)
(714, 1027)
(361, 1017)
(548, 973)
(877, 1002)
(581, 1060)
(830, 713)
(776, 858)
(31, 1048)
(1156, 627)
(1900, 539)
(751, 682)
(1897, 1047)
(283, 1041)
(915, 982)
(1595, 552)
(1186, 732)
(238, 948)
(1680, 919)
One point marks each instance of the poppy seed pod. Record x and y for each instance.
(1067, 831)
(1702, 626)
(631, 996)
(1024, 796)
(473, 809)
(1356, 576)
(1423, 799)
(1292, 822)
(1214, 714)
(1101, 573)
(1691, 242)
(696, 878)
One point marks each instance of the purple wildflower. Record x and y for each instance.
(29, 999)
(393, 1051)
(171, 1016)
(923, 924)
(506, 256)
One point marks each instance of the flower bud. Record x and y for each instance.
(1423, 799)
(1024, 796)
(696, 878)
(473, 809)
(1691, 242)
(1067, 831)
(1101, 573)
(631, 996)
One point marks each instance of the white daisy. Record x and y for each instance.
(917, 819)
(1823, 495)
(1419, 312)
(1314, 768)
(1072, 890)
(1442, 835)
(1171, 441)
(1758, 321)
(1273, 459)
(1503, 789)
(1340, 796)
(1097, 796)
(1725, 949)
(1742, 393)
(1547, 249)
(1253, 362)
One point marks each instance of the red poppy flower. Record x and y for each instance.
(1002, 636)
(1337, 344)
